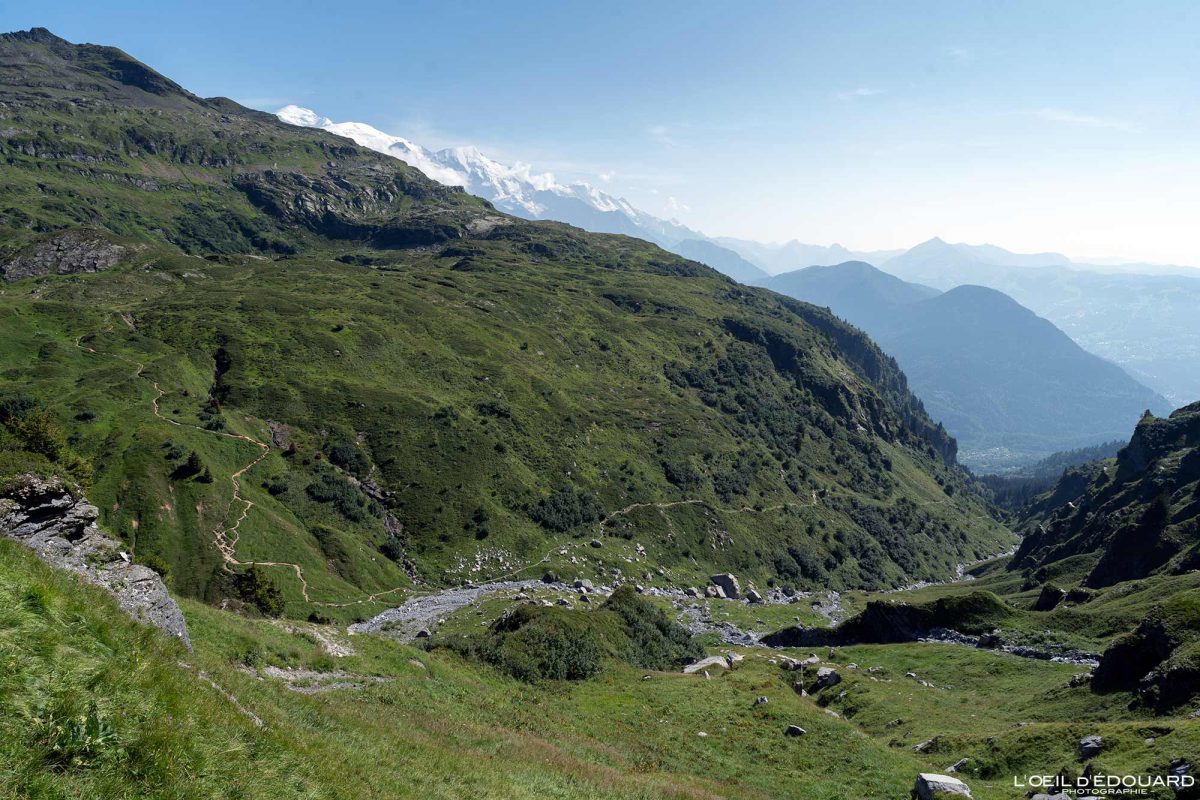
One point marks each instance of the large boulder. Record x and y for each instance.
(729, 584)
(705, 663)
(1049, 598)
(930, 786)
(827, 676)
(1090, 746)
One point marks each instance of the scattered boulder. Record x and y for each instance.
(989, 641)
(752, 596)
(1090, 746)
(583, 583)
(827, 676)
(596, 543)
(691, 591)
(715, 592)
(1049, 598)
(958, 765)
(930, 786)
(926, 746)
(794, 730)
(728, 584)
(761, 700)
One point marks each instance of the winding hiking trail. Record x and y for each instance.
(418, 609)
(224, 537)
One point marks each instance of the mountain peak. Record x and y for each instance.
(304, 117)
(39, 35)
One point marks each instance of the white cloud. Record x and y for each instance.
(1083, 120)
(861, 91)
(958, 53)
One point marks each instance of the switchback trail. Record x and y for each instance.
(225, 537)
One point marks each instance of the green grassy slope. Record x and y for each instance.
(93, 705)
(446, 392)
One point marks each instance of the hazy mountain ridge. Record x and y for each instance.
(1146, 323)
(1007, 384)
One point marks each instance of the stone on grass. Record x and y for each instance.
(705, 663)
(931, 786)
(794, 730)
(828, 676)
(1090, 746)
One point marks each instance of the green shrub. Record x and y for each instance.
(566, 509)
(254, 588)
(533, 643)
(655, 641)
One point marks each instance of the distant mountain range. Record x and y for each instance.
(1140, 316)
(1147, 323)
(520, 191)
(1010, 386)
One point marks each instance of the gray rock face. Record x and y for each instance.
(729, 584)
(930, 786)
(44, 516)
(64, 253)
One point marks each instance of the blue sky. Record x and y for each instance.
(1067, 126)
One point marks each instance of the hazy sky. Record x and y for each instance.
(1069, 126)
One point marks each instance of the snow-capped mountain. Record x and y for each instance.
(516, 189)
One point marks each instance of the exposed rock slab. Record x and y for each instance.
(61, 528)
(65, 253)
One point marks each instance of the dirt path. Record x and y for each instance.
(225, 537)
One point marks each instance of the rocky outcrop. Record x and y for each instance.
(45, 516)
(1159, 660)
(1049, 598)
(65, 253)
(1139, 514)
(890, 623)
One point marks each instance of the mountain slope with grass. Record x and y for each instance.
(1129, 517)
(266, 345)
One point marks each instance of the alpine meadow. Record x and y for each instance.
(338, 465)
